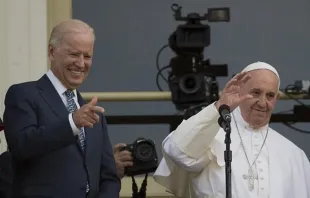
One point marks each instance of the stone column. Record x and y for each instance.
(23, 45)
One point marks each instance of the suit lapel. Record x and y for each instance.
(87, 131)
(51, 96)
(90, 133)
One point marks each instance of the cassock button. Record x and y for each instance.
(262, 188)
(258, 161)
(262, 178)
(260, 170)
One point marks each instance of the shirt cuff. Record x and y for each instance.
(73, 126)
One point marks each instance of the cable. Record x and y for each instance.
(159, 73)
(157, 60)
(296, 129)
(160, 70)
(290, 90)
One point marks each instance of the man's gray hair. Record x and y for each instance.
(68, 26)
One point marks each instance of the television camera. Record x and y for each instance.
(192, 80)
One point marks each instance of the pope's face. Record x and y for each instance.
(263, 86)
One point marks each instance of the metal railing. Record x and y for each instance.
(172, 120)
(156, 96)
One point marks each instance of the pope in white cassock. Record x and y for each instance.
(264, 163)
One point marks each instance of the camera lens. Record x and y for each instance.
(190, 83)
(144, 151)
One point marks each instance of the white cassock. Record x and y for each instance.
(193, 164)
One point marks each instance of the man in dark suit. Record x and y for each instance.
(60, 145)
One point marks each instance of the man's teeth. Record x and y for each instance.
(76, 72)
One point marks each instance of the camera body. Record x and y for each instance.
(144, 155)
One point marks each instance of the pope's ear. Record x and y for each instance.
(278, 95)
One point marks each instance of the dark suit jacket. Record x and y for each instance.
(6, 174)
(47, 160)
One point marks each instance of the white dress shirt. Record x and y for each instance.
(60, 88)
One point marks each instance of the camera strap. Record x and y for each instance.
(142, 191)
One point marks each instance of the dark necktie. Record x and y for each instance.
(71, 108)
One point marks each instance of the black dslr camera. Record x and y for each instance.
(144, 155)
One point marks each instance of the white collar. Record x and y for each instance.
(60, 88)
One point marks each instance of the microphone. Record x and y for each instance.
(223, 124)
(224, 111)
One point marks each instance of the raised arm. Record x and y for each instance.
(187, 151)
(188, 146)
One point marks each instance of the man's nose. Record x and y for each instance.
(262, 101)
(81, 61)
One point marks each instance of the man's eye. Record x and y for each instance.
(75, 55)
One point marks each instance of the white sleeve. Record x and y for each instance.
(182, 160)
(75, 130)
(194, 136)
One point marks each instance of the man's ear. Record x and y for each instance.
(51, 52)
(278, 95)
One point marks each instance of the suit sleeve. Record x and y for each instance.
(109, 181)
(25, 137)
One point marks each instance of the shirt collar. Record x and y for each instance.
(60, 88)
